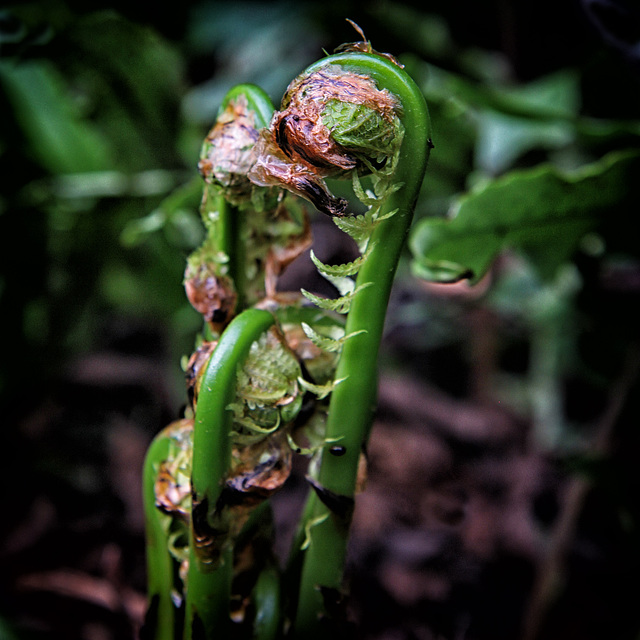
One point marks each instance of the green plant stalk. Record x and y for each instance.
(267, 592)
(209, 587)
(268, 603)
(353, 401)
(257, 99)
(230, 230)
(231, 237)
(160, 564)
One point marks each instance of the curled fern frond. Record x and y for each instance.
(269, 373)
(330, 122)
(361, 227)
(366, 196)
(339, 277)
(240, 419)
(249, 438)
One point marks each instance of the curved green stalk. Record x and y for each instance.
(267, 624)
(230, 235)
(231, 224)
(161, 615)
(328, 513)
(209, 577)
(353, 400)
(257, 99)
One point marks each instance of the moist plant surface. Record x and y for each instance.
(501, 493)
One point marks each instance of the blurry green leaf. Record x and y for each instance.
(544, 112)
(542, 212)
(451, 161)
(537, 115)
(6, 630)
(11, 29)
(136, 230)
(58, 137)
(131, 80)
(177, 215)
(111, 184)
(426, 34)
(548, 98)
(511, 120)
(255, 42)
(503, 139)
(553, 96)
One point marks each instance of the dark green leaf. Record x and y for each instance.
(541, 212)
(58, 137)
(131, 80)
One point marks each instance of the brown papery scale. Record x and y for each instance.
(228, 151)
(195, 369)
(173, 487)
(299, 149)
(210, 294)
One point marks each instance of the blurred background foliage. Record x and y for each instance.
(535, 109)
(105, 106)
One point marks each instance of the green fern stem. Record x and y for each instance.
(231, 235)
(230, 230)
(353, 401)
(160, 620)
(209, 583)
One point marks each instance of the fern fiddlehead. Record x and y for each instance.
(193, 465)
(205, 475)
(210, 566)
(366, 116)
(252, 232)
(354, 115)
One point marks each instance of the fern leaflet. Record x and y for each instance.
(339, 305)
(319, 390)
(332, 343)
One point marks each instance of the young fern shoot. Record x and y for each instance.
(350, 114)
(280, 374)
